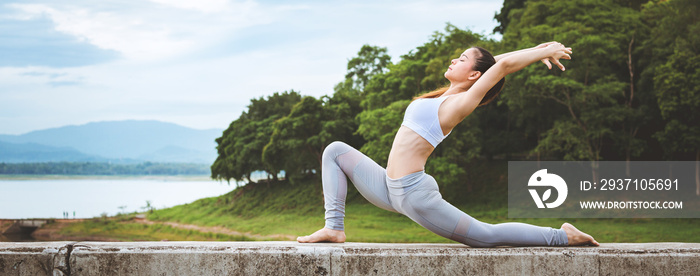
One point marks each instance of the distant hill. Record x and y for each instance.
(31, 152)
(115, 140)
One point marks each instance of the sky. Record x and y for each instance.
(195, 63)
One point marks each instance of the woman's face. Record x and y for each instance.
(462, 67)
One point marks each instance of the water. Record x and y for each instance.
(88, 198)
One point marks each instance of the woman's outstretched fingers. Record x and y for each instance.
(546, 62)
(576, 237)
(324, 235)
(558, 64)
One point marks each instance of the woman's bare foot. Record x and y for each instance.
(324, 235)
(576, 237)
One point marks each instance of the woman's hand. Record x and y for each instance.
(545, 44)
(547, 62)
(558, 51)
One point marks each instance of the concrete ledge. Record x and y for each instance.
(40, 258)
(291, 258)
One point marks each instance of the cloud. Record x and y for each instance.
(209, 6)
(36, 42)
(166, 29)
(64, 83)
(54, 79)
(35, 77)
(52, 75)
(147, 32)
(129, 35)
(195, 63)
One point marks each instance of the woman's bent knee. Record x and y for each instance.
(334, 149)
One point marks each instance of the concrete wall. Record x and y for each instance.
(291, 258)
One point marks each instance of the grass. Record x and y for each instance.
(297, 209)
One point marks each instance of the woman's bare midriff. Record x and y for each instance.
(409, 152)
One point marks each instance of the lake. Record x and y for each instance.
(92, 197)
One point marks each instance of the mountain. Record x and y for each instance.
(30, 152)
(144, 140)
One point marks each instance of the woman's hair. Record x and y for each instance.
(483, 62)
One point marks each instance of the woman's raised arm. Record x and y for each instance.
(465, 103)
(545, 61)
(553, 52)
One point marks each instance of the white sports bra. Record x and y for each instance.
(422, 117)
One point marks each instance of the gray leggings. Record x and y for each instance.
(416, 195)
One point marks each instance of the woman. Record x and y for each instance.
(476, 78)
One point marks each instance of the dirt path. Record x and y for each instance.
(219, 230)
(51, 232)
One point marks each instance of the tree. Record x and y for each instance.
(597, 107)
(675, 25)
(149, 207)
(418, 71)
(379, 127)
(370, 61)
(339, 113)
(503, 17)
(295, 145)
(241, 145)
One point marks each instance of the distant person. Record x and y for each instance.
(476, 78)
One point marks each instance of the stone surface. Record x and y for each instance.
(34, 258)
(291, 258)
(199, 258)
